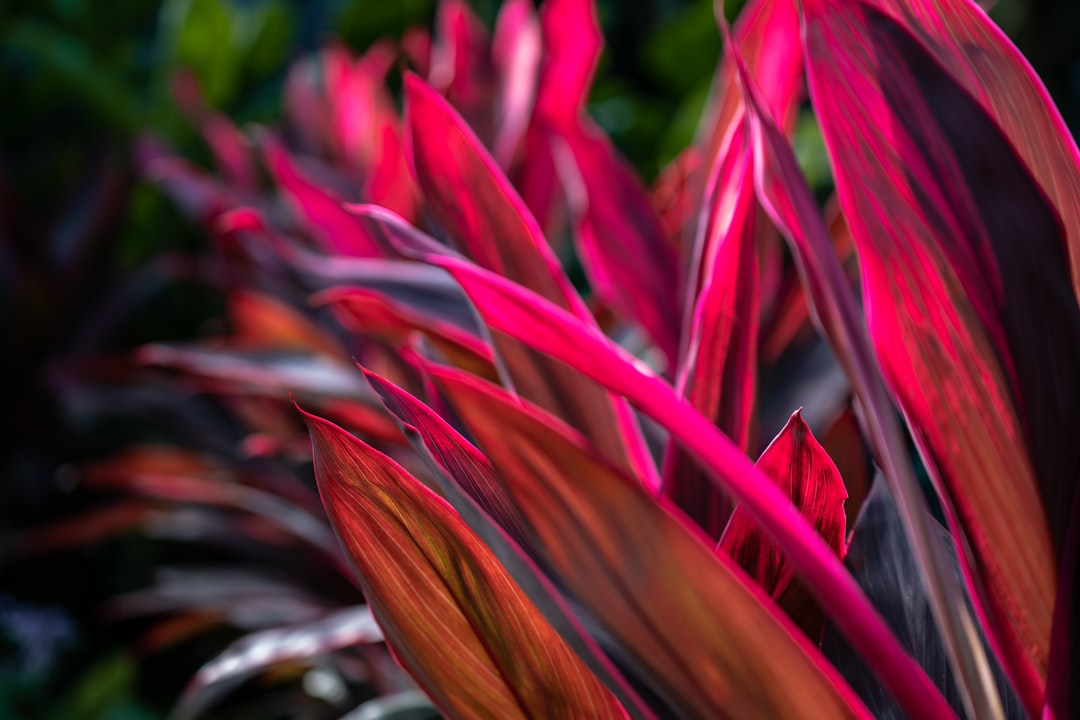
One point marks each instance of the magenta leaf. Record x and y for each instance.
(718, 370)
(319, 211)
(802, 469)
(980, 335)
(525, 316)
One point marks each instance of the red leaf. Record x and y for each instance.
(718, 370)
(525, 316)
(690, 619)
(783, 192)
(802, 469)
(980, 334)
(466, 465)
(572, 46)
(260, 320)
(473, 200)
(515, 53)
(461, 67)
(320, 211)
(470, 484)
(374, 314)
(454, 618)
(620, 240)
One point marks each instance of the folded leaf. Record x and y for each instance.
(980, 335)
(767, 36)
(783, 192)
(799, 466)
(717, 373)
(696, 625)
(468, 481)
(475, 203)
(448, 609)
(508, 308)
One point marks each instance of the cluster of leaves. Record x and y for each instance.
(547, 494)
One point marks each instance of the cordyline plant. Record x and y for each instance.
(588, 536)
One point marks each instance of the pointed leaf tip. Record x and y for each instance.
(454, 618)
(801, 468)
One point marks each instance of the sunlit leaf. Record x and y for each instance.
(693, 622)
(799, 466)
(978, 333)
(454, 618)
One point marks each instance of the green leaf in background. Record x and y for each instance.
(105, 692)
(199, 34)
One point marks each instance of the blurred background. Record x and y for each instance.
(92, 265)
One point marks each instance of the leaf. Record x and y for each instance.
(515, 53)
(373, 314)
(800, 467)
(881, 561)
(717, 371)
(767, 36)
(328, 382)
(263, 320)
(570, 58)
(508, 308)
(456, 456)
(620, 240)
(461, 65)
(979, 336)
(978, 56)
(694, 623)
(320, 212)
(262, 650)
(468, 481)
(454, 618)
(783, 192)
(475, 203)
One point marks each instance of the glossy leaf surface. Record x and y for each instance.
(469, 482)
(693, 621)
(980, 334)
(454, 618)
(718, 368)
(476, 204)
(508, 308)
(804, 472)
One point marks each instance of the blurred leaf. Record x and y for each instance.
(67, 56)
(681, 53)
(105, 692)
(270, 31)
(200, 36)
(260, 651)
